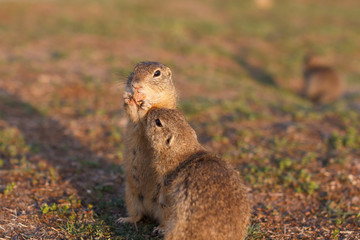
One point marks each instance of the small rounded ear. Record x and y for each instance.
(169, 73)
(169, 140)
(194, 133)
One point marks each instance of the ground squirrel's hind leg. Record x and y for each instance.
(132, 219)
(134, 205)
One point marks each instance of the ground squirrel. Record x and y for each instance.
(264, 4)
(150, 85)
(202, 196)
(322, 84)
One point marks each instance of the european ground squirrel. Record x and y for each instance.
(202, 196)
(322, 84)
(150, 85)
(264, 4)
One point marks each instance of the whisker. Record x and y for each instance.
(118, 85)
(122, 75)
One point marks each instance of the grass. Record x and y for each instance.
(238, 72)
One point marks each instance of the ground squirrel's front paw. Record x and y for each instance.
(128, 98)
(144, 107)
(131, 107)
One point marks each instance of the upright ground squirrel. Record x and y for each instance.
(202, 195)
(150, 85)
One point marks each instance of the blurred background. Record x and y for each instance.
(237, 66)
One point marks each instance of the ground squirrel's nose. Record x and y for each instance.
(136, 87)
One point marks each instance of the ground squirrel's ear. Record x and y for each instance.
(194, 133)
(168, 72)
(169, 140)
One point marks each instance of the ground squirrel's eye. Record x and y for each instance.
(158, 123)
(157, 73)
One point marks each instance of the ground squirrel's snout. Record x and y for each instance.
(135, 86)
(136, 83)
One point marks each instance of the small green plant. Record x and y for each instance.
(46, 208)
(308, 158)
(335, 141)
(116, 135)
(12, 142)
(351, 139)
(335, 233)
(285, 163)
(255, 232)
(310, 187)
(81, 224)
(53, 175)
(9, 188)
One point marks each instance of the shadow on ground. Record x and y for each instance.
(256, 73)
(96, 181)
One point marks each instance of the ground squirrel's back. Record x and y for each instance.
(209, 198)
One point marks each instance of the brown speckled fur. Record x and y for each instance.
(202, 195)
(141, 186)
(322, 84)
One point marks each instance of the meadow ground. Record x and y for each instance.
(238, 72)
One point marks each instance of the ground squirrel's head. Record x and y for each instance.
(153, 81)
(311, 60)
(170, 135)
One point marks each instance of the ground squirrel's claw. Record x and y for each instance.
(159, 230)
(128, 99)
(127, 95)
(145, 105)
(123, 220)
(129, 220)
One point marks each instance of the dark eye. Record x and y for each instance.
(157, 73)
(158, 123)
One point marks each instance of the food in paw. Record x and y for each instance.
(138, 97)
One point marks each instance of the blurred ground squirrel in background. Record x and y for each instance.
(322, 84)
(150, 85)
(202, 195)
(264, 4)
